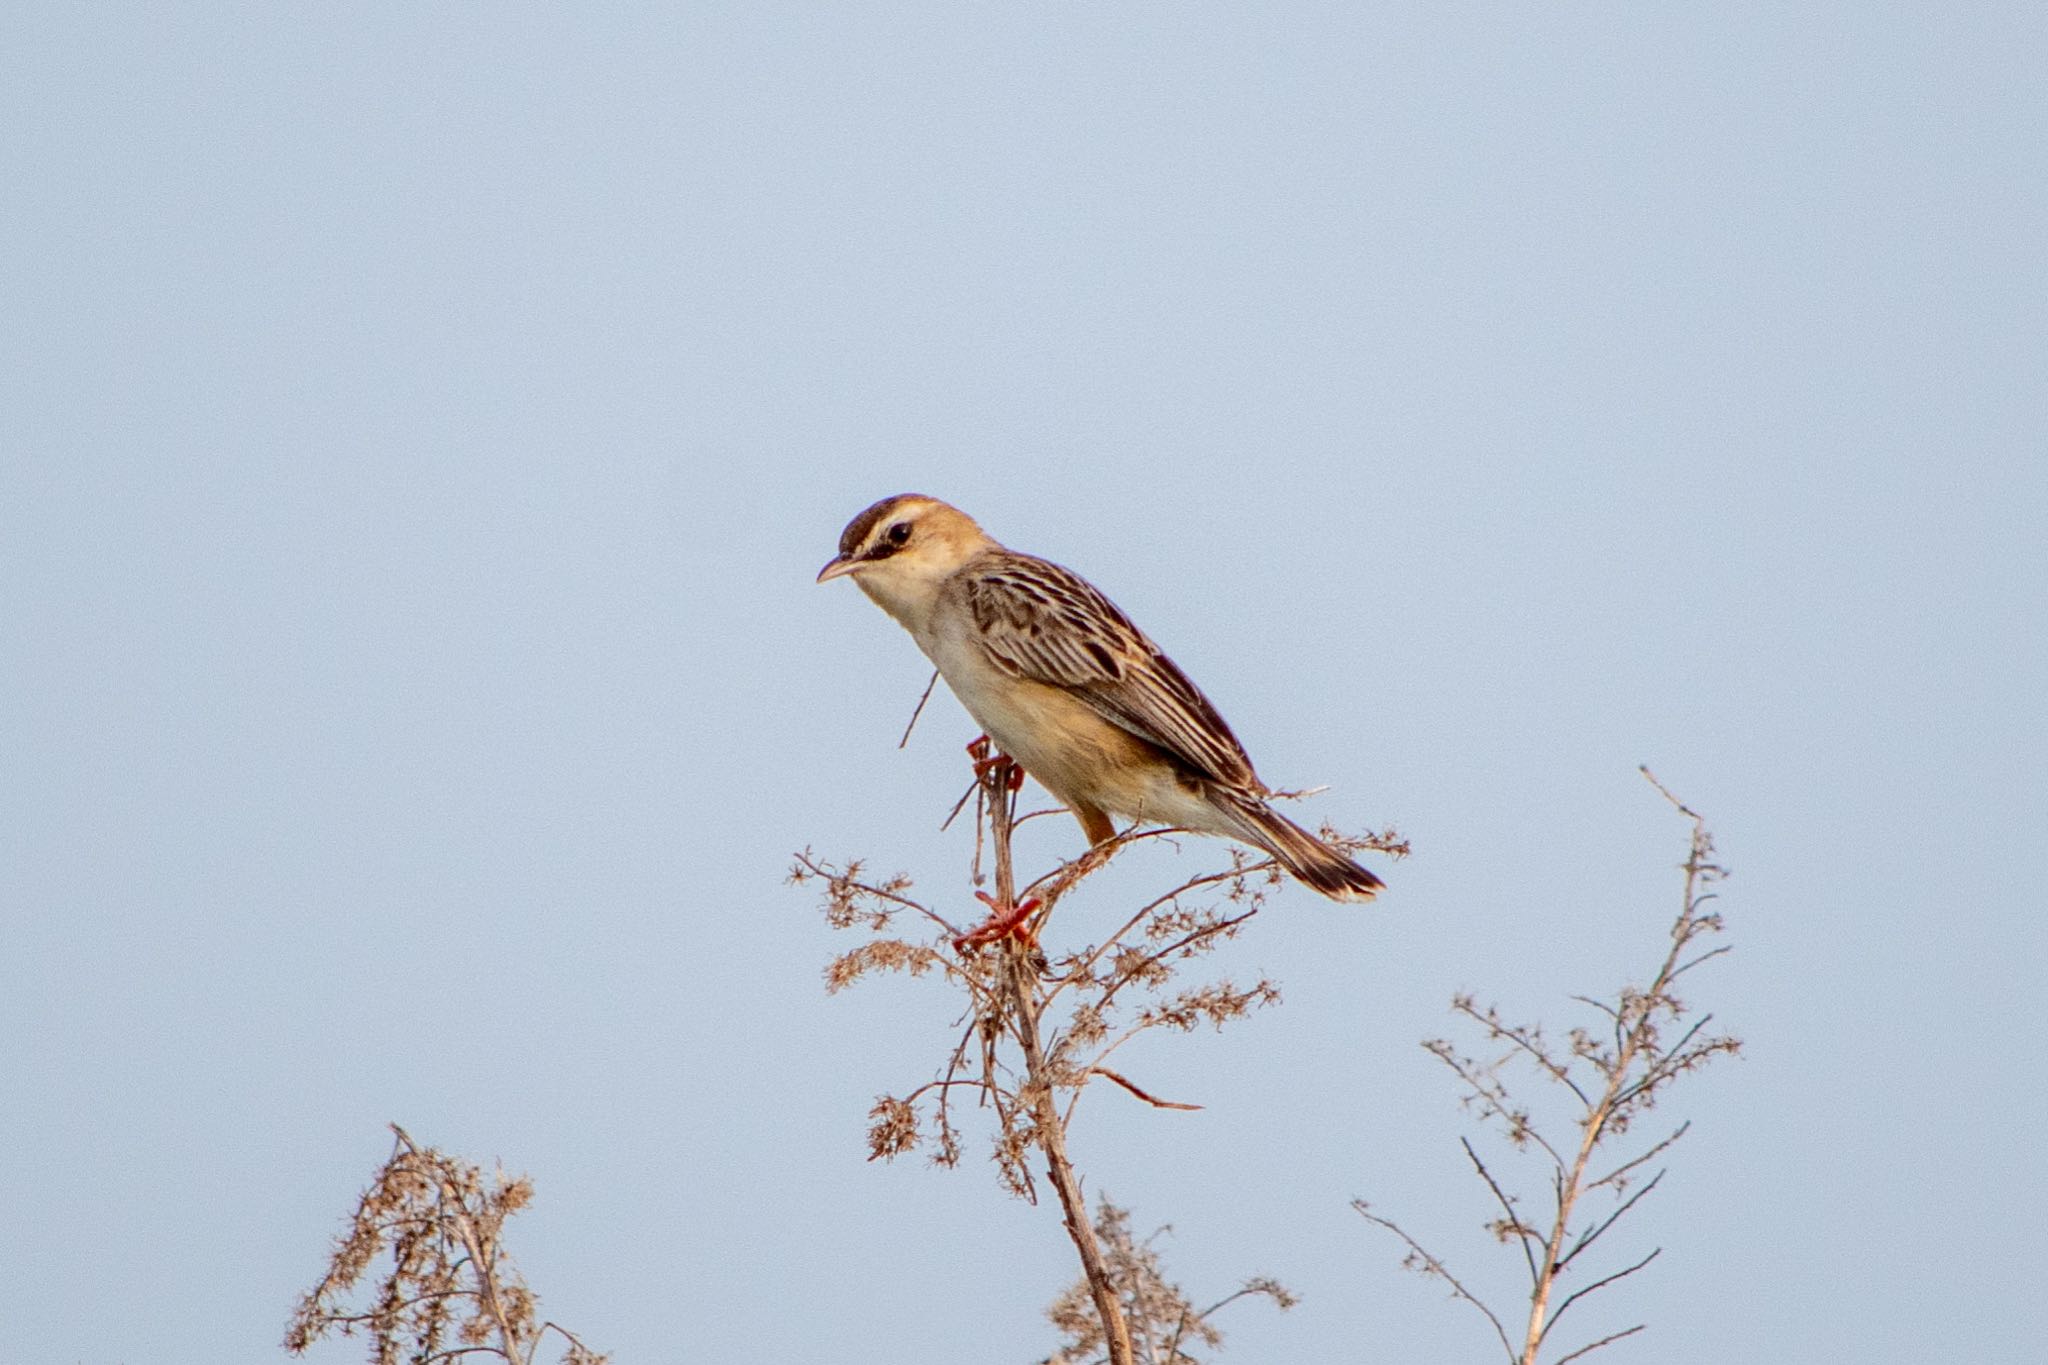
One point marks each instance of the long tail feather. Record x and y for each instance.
(1311, 861)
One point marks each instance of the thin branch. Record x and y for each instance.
(1616, 1176)
(972, 1082)
(574, 1341)
(1684, 809)
(1493, 1098)
(1246, 1292)
(1491, 1023)
(1192, 937)
(1600, 1005)
(1437, 1268)
(1152, 1100)
(1707, 956)
(1573, 1298)
(1594, 1346)
(825, 874)
(954, 814)
(1083, 968)
(1102, 1055)
(1507, 1206)
(1587, 1238)
(927, 696)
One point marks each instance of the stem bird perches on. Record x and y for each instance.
(1613, 1076)
(1039, 1023)
(1048, 1128)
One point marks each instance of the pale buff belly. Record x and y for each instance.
(1084, 759)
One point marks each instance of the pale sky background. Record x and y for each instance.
(421, 428)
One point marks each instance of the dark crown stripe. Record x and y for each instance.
(861, 527)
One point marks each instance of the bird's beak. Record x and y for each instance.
(838, 568)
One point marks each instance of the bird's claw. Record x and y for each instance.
(987, 759)
(1003, 922)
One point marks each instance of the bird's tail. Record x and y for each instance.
(1311, 861)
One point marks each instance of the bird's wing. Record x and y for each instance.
(1045, 623)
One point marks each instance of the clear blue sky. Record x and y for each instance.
(422, 425)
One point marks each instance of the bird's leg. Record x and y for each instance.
(998, 775)
(1095, 824)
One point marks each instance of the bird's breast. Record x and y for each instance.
(1068, 746)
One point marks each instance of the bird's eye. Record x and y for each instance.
(899, 533)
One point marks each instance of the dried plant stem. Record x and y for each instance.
(452, 1290)
(1041, 1022)
(1052, 1140)
(1553, 1247)
(1649, 1038)
(1020, 982)
(483, 1255)
(1635, 1036)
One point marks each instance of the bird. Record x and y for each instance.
(1062, 681)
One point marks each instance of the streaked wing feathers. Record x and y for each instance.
(1042, 622)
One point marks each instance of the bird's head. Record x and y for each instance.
(900, 550)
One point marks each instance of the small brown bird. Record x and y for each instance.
(1068, 687)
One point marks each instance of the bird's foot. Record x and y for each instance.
(1003, 922)
(989, 759)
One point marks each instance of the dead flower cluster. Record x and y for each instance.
(450, 1290)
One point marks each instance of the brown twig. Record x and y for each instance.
(1150, 1099)
(1511, 1222)
(919, 710)
(1593, 1346)
(1424, 1258)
